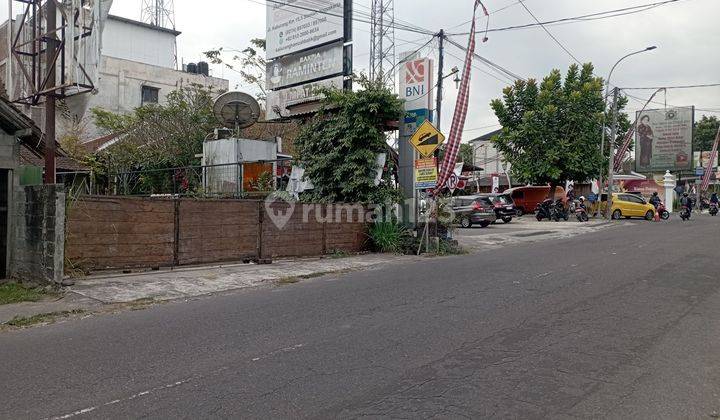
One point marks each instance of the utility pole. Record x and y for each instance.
(611, 143)
(439, 93)
(50, 50)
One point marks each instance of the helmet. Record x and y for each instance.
(655, 193)
(582, 198)
(685, 194)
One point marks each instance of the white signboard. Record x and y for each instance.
(284, 101)
(416, 84)
(295, 25)
(304, 66)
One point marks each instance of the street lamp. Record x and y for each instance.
(613, 132)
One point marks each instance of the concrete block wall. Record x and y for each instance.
(39, 234)
(128, 232)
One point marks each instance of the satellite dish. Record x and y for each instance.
(236, 110)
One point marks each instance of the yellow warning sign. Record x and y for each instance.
(427, 139)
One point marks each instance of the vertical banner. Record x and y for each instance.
(461, 107)
(711, 162)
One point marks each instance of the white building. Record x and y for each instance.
(487, 156)
(137, 67)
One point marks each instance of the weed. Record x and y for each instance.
(21, 321)
(388, 236)
(14, 293)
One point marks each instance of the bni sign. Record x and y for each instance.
(416, 82)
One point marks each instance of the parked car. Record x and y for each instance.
(629, 205)
(503, 205)
(527, 198)
(473, 210)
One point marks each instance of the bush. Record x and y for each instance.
(389, 236)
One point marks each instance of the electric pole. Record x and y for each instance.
(50, 49)
(611, 143)
(439, 93)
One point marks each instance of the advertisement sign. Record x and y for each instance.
(702, 159)
(426, 173)
(299, 99)
(293, 26)
(305, 66)
(416, 83)
(663, 140)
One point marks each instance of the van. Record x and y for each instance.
(527, 198)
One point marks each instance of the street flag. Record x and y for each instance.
(461, 107)
(711, 163)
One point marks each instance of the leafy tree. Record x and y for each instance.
(159, 135)
(338, 147)
(551, 131)
(705, 131)
(249, 63)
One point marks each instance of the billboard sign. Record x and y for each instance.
(663, 140)
(297, 25)
(305, 66)
(299, 100)
(416, 83)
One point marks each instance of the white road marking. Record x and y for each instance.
(167, 386)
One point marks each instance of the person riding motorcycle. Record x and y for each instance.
(714, 199)
(655, 200)
(686, 201)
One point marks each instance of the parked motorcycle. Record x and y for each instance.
(579, 210)
(559, 211)
(685, 213)
(544, 210)
(713, 209)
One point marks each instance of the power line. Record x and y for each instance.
(549, 33)
(397, 26)
(489, 63)
(674, 87)
(581, 18)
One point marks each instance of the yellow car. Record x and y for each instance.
(630, 205)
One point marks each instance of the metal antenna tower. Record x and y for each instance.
(382, 42)
(159, 13)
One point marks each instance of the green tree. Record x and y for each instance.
(338, 147)
(551, 132)
(705, 131)
(159, 135)
(249, 63)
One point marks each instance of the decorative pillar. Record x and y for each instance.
(670, 184)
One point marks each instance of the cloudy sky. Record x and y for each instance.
(686, 32)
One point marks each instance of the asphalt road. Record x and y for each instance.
(621, 323)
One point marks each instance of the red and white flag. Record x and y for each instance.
(461, 106)
(711, 163)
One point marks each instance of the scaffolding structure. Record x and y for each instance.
(382, 42)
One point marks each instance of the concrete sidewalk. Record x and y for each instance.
(198, 281)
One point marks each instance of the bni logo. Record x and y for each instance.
(415, 71)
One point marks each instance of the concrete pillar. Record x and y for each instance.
(670, 184)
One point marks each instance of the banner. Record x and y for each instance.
(663, 140)
(293, 69)
(426, 173)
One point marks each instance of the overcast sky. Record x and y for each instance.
(687, 34)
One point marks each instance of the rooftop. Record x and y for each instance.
(143, 25)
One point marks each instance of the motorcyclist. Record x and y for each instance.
(655, 200)
(714, 199)
(686, 201)
(582, 202)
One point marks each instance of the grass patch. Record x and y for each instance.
(289, 280)
(22, 321)
(14, 293)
